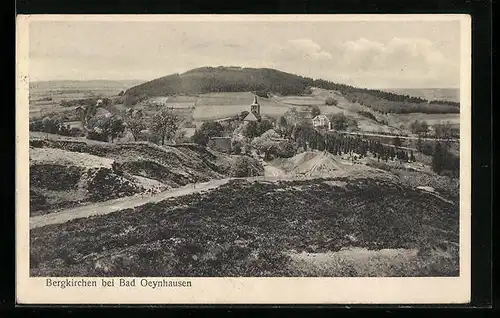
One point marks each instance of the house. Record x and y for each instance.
(222, 144)
(321, 121)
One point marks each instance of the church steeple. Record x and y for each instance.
(255, 100)
(255, 107)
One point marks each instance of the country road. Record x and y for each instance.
(102, 208)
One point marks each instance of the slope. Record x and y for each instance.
(265, 80)
(248, 228)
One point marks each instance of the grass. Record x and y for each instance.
(246, 229)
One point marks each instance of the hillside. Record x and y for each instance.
(264, 81)
(65, 171)
(223, 79)
(248, 228)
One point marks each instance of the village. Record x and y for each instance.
(234, 134)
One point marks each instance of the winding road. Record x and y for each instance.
(102, 208)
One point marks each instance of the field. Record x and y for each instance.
(448, 94)
(46, 97)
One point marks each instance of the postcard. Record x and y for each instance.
(243, 159)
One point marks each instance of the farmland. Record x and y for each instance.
(46, 97)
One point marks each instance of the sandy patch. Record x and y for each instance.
(63, 157)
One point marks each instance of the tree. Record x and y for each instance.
(419, 128)
(292, 117)
(105, 128)
(135, 125)
(200, 138)
(212, 129)
(438, 158)
(116, 127)
(251, 130)
(396, 142)
(282, 122)
(165, 123)
(315, 111)
(208, 129)
(339, 121)
(443, 131)
(263, 126)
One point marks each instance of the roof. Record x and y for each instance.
(320, 117)
(250, 117)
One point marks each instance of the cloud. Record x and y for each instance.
(411, 61)
(397, 54)
(306, 48)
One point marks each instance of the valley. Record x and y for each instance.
(171, 178)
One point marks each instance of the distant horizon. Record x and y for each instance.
(143, 81)
(150, 79)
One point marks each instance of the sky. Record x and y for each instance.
(373, 54)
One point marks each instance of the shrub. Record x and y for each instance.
(315, 111)
(286, 149)
(426, 148)
(331, 101)
(367, 115)
(76, 132)
(244, 166)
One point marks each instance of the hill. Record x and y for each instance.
(65, 171)
(248, 228)
(264, 81)
(223, 79)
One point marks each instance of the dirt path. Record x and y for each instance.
(272, 171)
(110, 206)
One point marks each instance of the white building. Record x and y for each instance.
(321, 121)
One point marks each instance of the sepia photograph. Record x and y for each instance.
(162, 150)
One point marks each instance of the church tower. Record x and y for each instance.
(255, 107)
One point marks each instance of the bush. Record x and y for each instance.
(97, 135)
(286, 149)
(331, 101)
(200, 138)
(244, 166)
(52, 124)
(262, 93)
(315, 111)
(76, 132)
(426, 148)
(367, 115)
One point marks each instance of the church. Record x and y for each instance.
(254, 114)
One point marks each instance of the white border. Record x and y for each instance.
(245, 290)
